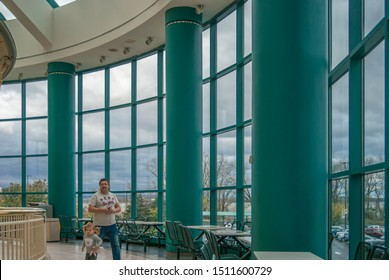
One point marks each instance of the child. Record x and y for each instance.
(91, 241)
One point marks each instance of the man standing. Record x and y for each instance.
(104, 205)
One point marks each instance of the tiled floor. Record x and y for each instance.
(72, 251)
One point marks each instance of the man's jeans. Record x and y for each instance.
(112, 233)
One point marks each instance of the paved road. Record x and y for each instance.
(339, 250)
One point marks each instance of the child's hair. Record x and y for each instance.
(92, 226)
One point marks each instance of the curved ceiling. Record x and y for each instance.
(84, 31)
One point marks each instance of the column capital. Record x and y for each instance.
(183, 15)
(60, 68)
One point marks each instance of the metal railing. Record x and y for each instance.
(22, 233)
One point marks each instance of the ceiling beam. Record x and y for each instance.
(35, 16)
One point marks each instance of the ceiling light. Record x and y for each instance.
(149, 40)
(102, 59)
(199, 9)
(126, 50)
(20, 76)
(78, 65)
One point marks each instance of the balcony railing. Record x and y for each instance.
(22, 233)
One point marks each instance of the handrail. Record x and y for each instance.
(22, 233)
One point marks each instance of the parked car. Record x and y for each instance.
(336, 229)
(340, 235)
(372, 231)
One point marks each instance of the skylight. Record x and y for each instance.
(5, 12)
(59, 3)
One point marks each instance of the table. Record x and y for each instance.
(203, 228)
(272, 255)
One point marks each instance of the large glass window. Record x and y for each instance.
(147, 123)
(11, 138)
(226, 159)
(93, 169)
(147, 169)
(120, 85)
(120, 170)
(374, 12)
(374, 106)
(226, 42)
(247, 27)
(93, 131)
(339, 124)
(10, 101)
(206, 108)
(339, 31)
(206, 53)
(120, 128)
(36, 136)
(147, 77)
(93, 91)
(36, 99)
(226, 100)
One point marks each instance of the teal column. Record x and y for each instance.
(289, 170)
(61, 138)
(183, 115)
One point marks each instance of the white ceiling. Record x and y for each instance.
(84, 30)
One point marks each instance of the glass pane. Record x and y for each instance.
(93, 131)
(10, 174)
(340, 12)
(10, 101)
(120, 128)
(120, 85)
(247, 91)
(120, 170)
(36, 173)
(93, 90)
(226, 100)
(247, 156)
(11, 200)
(375, 210)
(226, 159)
(93, 170)
(146, 207)
(206, 163)
(147, 123)
(374, 106)
(247, 205)
(340, 124)
(340, 209)
(247, 27)
(164, 119)
(206, 53)
(36, 136)
(374, 12)
(36, 99)
(147, 77)
(226, 207)
(206, 108)
(125, 203)
(10, 138)
(226, 42)
(147, 169)
(206, 207)
(85, 204)
(39, 197)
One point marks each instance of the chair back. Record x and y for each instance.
(65, 224)
(180, 237)
(380, 253)
(363, 251)
(132, 230)
(171, 232)
(236, 225)
(246, 226)
(212, 240)
(206, 251)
